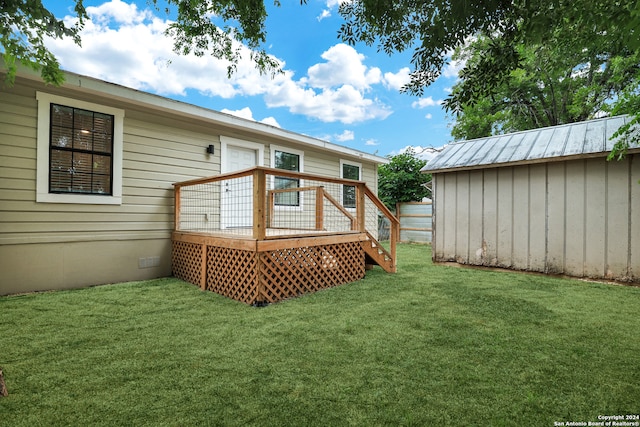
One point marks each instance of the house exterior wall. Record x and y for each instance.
(577, 217)
(47, 246)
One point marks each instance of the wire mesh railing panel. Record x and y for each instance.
(291, 204)
(225, 204)
(200, 207)
(236, 205)
(336, 219)
(310, 205)
(374, 220)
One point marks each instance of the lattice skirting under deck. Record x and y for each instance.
(268, 276)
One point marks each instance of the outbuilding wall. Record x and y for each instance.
(576, 217)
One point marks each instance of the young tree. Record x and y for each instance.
(401, 180)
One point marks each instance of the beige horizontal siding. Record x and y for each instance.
(156, 155)
(54, 246)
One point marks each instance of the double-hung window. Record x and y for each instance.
(290, 160)
(350, 171)
(79, 151)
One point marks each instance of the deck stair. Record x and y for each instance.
(376, 254)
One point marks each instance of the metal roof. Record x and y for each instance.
(575, 140)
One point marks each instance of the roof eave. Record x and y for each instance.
(158, 103)
(524, 162)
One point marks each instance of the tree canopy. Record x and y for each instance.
(552, 85)
(200, 27)
(432, 29)
(435, 28)
(24, 26)
(401, 180)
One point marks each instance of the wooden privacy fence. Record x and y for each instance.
(262, 235)
(415, 221)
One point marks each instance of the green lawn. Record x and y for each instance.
(428, 346)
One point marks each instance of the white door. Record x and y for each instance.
(237, 194)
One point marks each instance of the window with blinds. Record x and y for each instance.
(80, 151)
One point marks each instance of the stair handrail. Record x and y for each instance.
(395, 223)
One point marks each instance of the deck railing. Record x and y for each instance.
(263, 203)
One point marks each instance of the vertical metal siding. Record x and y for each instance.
(578, 217)
(537, 216)
(521, 201)
(556, 217)
(462, 218)
(595, 211)
(576, 226)
(476, 200)
(634, 218)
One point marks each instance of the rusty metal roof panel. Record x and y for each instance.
(565, 141)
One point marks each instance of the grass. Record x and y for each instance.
(430, 345)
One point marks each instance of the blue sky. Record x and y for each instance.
(342, 94)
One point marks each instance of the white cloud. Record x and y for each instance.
(344, 104)
(246, 113)
(371, 142)
(343, 67)
(397, 80)
(271, 121)
(125, 45)
(347, 135)
(424, 153)
(118, 11)
(428, 116)
(326, 13)
(452, 69)
(425, 102)
(334, 3)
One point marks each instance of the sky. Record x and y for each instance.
(347, 95)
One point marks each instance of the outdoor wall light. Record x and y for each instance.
(210, 149)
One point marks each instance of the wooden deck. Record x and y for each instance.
(259, 264)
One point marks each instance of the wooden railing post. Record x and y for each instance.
(393, 237)
(259, 202)
(320, 208)
(360, 213)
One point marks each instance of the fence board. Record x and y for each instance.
(415, 221)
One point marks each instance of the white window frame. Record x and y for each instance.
(300, 154)
(349, 163)
(43, 165)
